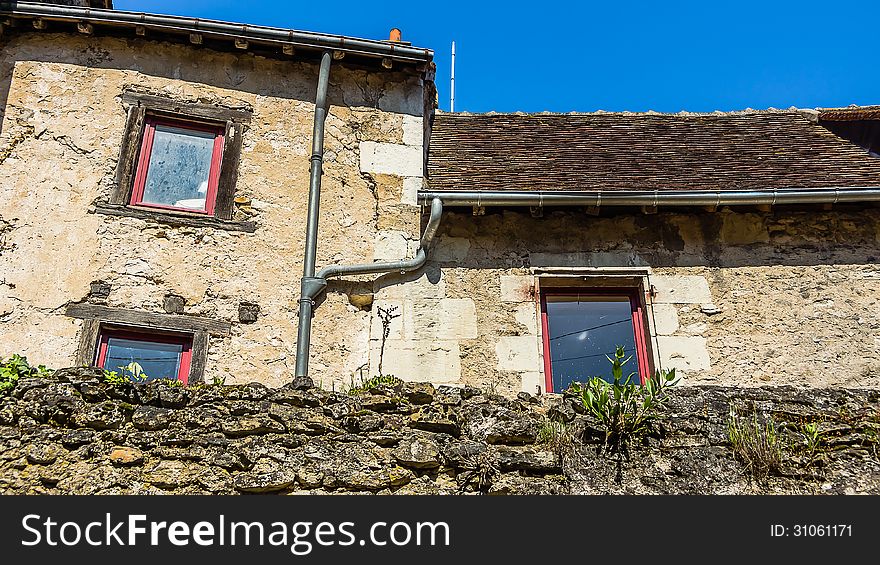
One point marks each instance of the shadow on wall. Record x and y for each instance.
(512, 239)
(787, 236)
(6, 67)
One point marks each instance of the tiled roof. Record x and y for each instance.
(772, 149)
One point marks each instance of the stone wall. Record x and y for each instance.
(72, 434)
(61, 128)
(742, 298)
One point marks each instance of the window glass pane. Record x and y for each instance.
(582, 331)
(158, 360)
(179, 166)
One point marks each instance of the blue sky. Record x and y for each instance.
(585, 56)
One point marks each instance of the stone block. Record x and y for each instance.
(248, 312)
(517, 353)
(391, 159)
(743, 229)
(410, 193)
(665, 319)
(526, 313)
(433, 361)
(413, 131)
(683, 353)
(683, 289)
(173, 304)
(516, 288)
(448, 318)
(390, 246)
(532, 381)
(596, 259)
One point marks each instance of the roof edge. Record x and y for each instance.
(215, 28)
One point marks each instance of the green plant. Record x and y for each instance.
(170, 382)
(812, 439)
(375, 382)
(133, 372)
(757, 445)
(550, 430)
(17, 367)
(626, 409)
(114, 378)
(555, 434)
(219, 380)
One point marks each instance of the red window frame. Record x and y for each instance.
(140, 179)
(638, 318)
(176, 339)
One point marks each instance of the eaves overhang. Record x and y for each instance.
(241, 36)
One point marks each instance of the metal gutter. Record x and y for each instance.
(313, 286)
(214, 28)
(826, 195)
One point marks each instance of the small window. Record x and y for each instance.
(583, 326)
(179, 166)
(160, 356)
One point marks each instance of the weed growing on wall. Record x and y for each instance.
(757, 445)
(381, 381)
(625, 408)
(386, 315)
(15, 368)
(133, 372)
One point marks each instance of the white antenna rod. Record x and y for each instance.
(452, 88)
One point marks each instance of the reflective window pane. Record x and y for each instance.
(158, 360)
(582, 331)
(180, 163)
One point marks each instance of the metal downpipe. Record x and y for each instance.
(306, 301)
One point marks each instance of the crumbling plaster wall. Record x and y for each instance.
(62, 126)
(742, 298)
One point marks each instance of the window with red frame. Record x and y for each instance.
(583, 326)
(161, 356)
(179, 166)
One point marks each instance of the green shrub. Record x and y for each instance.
(17, 367)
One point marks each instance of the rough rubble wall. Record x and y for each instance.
(70, 434)
(60, 138)
(742, 298)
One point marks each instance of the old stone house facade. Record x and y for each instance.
(155, 174)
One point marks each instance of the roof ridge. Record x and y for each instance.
(811, 113)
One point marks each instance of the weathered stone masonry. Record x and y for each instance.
(741, 298)
(71, 434)
(64, 115)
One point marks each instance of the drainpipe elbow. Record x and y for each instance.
(312, 287)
